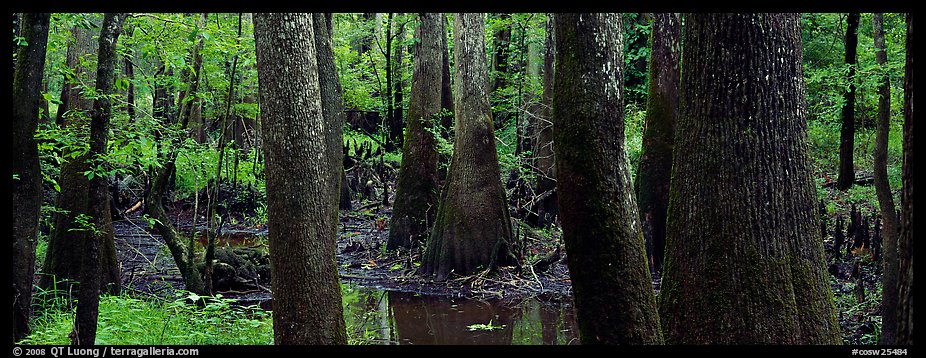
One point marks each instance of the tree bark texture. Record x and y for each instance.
(744, 264)
(615, 302)
(847, 134)
(417, 188)
(88, 299)
(472, 230)
(27, 187)
(883, 192)
(652, 182)
(306, 292)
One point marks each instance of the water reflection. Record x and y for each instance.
(385, 317)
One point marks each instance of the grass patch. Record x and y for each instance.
(130, 320)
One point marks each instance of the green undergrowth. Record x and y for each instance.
(125, 319)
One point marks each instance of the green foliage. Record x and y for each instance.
(130, 320)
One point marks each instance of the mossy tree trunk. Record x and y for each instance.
(546, 178)
(27, 186)
(472, 230)
(847, 133)
(883, 190)
(72, 224)
(417, 188)
(744, 263)
(905, 292)
(615, 302)
(301, 205)
(88, 299)
(652, 181)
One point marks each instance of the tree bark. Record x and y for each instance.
(332, 107)
(744, 264)
(615, 303)
(72, 224)
(306, 292)
(546, 179)
(883, 191)
(472, 230)
(27, 188)
(905, 291)
(847, 134)
(652, 183)
(417, 188)
(88, 299)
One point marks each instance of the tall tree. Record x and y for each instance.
(883, 191)
(27, 176)
(905, 292)
(472, 230)
(502, 43)
(88, 299)
(734, 274)
(397, 73)
(615, 303)
(847, 134)
(332, 104)
(72, 223)
(652, 182)
(546, 178)
(417, 188)
(306, 292)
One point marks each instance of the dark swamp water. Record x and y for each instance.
(377, 316)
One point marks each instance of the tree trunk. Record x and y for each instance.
(27, 187)
(306, 293)
(905, 291)
(546, 179)
(883, 190)
(652, 183)
(72, 224)
(847, 134)
(500, 58)
(88, 299)
(472, 230)
(417, 188)
(734, 273)
(615, 303)
(332, 101)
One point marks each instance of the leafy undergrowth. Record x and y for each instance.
(130, 320)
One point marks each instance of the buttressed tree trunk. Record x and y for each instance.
(88, 300)
(847, 133)
(306, 293)
(73, 224)
(27, 186)
(734, 273)
(472, 230)
(905, 292)
(615, 302)
(416, 190)
(652, 182)
(883, 190)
